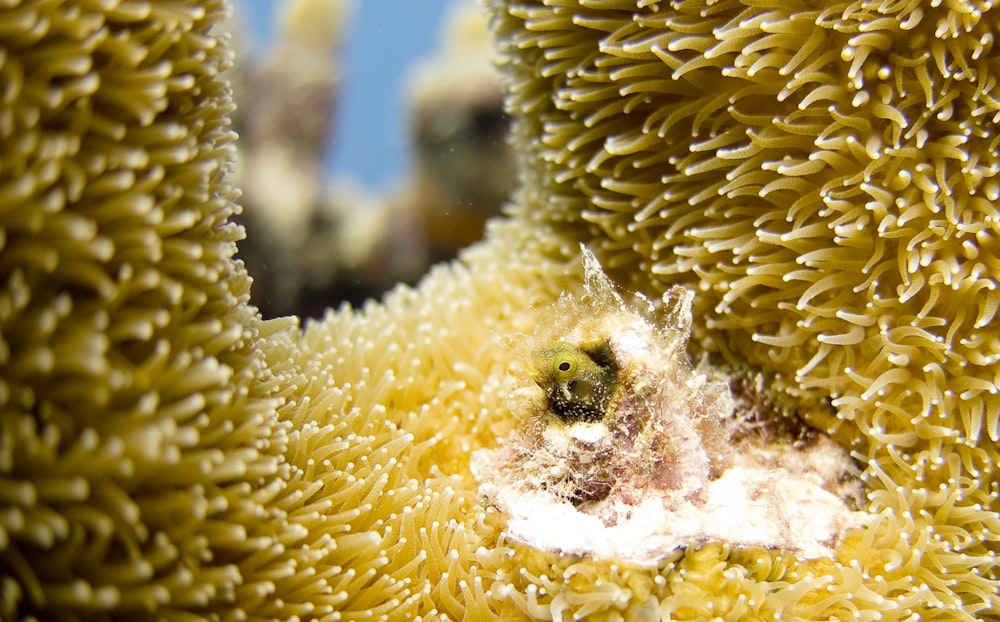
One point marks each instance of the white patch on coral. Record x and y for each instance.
(585, 433)
(661, 468)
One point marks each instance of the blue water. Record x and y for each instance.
(384, 39)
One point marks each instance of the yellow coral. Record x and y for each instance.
(138, 447)
(823, 177)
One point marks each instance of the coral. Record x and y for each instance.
(137, 445)
(821, 178)
(824, 177)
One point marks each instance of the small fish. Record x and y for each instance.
(578, 380)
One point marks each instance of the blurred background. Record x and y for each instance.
(373, 144)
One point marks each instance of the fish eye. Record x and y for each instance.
(565, 366)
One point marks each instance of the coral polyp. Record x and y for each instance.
(628, 453)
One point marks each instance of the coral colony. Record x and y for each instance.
(625, 452)
(823, 177)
